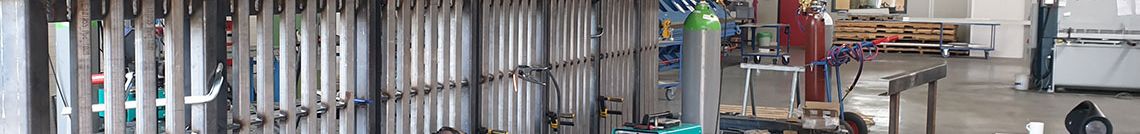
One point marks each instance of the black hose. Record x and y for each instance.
(853, 83)
(557, 92)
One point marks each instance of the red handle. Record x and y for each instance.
(887, 39)
(97, 79)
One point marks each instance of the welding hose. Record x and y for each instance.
(843, 54)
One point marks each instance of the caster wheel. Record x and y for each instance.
(785, 60)
(670, 94)
(854, 123)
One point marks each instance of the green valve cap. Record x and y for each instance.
(702, 18)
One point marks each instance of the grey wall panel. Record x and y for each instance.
(1094, 14)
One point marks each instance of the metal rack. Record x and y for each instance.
(947, 47)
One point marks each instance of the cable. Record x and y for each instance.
(845, 53)
(58, 86)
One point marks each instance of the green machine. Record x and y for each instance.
(659, 123)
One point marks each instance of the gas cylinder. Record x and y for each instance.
(700, 68)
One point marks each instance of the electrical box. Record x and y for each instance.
(680, 129)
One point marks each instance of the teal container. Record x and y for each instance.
(681, 129)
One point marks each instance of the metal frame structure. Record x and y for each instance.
(390, 66)
(900, 82)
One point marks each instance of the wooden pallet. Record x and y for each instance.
(894, 25)
(904, 37)
(918, 49)
(873, 17)
(894, 30)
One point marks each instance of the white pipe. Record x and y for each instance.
(159, 102)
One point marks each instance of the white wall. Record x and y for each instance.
(1011, 37)
(940, 9)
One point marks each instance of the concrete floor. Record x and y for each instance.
(975, 98)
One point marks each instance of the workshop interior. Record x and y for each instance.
(569, 66)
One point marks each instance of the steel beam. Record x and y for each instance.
(328, 67)
(474, 57)
(27, 103)
(370, 67)
(114, 69)
(81, 53)
(145, 65)
(389, 46)
(348, 67)
(309, 55)
(208, 36)
(264, 62)
(175, 43)
(309, 62)
(241, 65)
(287, 85)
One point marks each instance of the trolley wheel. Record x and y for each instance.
(670, 94)
(945, 53)
(785, 60)
(854, 123)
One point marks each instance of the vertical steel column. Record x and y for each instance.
(81, 121)
(931, 105)
(511, 57)
(347, 66)
(405, 83)
(309, 62)
(457, 40)
(390, 47)
(25, 55)
(175, 42)
(636, 95)
(893, 122)
(114, 70)
(208, 34)
(476, 54)
(287, 72)
(527, 39)
(446, 76)
(265, 104)
(494, 108)
(145, 78)
(553, 58)
(427, 104)
(417, 67)
(370, 81)
(328, 67)
(497, 64)
(607, 45)
(241, 68)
